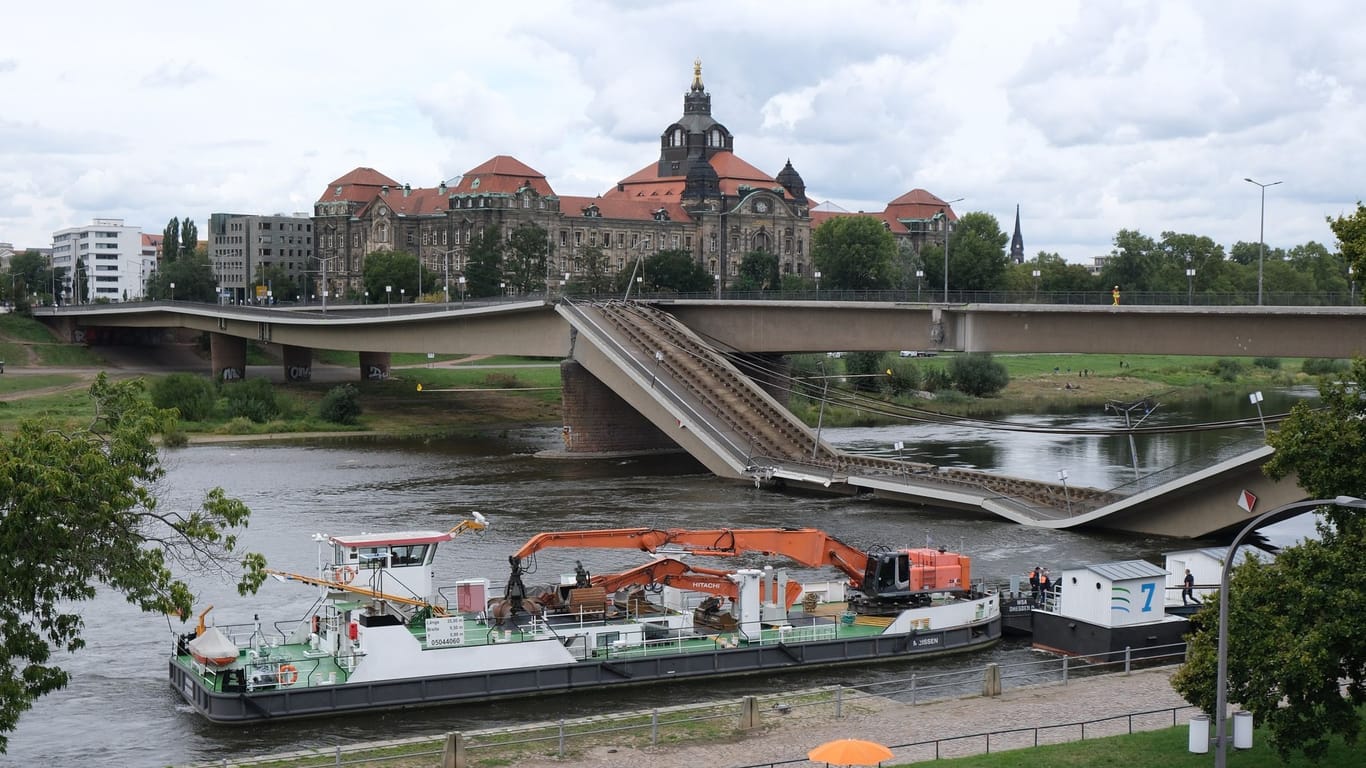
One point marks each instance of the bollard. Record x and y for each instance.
(839, 701)
(1127, 659)
(654, 727)
(453, 754)
(991, 680)
(1199, 735)
(749, 713)
(913, 702)
(561, 748)
(1064, 670)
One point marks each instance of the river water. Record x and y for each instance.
(120, 710)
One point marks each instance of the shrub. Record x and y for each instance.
(175, 438)
(252, 399)
(1269, 363)
(978, 375)
(192, 395)
(341, 405)
(1228, 369)
(936, 379)
(863, 369)
(905, 377)
(1323, 366)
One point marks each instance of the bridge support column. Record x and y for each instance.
(298, 363)
(597, 421)
(228, 355)
(773, 374)
(374, 366)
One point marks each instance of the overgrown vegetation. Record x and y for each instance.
(253, 399)
(193, 396)
(341, 405)
(978, 375)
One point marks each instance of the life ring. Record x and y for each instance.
(344, 574)
(287, 674)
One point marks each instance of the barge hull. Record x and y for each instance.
(289, 703)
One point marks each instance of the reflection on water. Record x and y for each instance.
(295, 491)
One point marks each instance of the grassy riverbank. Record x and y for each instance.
(461, 394)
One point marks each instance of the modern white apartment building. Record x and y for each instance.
(244, 247)
(103, 260)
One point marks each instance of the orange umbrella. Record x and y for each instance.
(850, 752)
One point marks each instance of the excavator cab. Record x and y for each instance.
(910, 576)
(887, 577)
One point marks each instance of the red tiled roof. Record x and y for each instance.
(357, 186)
(366, 177)
(152, 241)
(622, 207)
(502, 174)
(732, 171)
(424, 200)
(917, 204)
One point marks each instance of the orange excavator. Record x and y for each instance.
(881, 579)
(670, 572)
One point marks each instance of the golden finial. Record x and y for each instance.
(697, 74)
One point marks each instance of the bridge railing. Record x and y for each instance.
(1067, 298)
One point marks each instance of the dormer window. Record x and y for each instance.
(592, 212)
(661, 215)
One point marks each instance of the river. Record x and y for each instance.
(120, 710)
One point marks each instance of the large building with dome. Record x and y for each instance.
(698, 196)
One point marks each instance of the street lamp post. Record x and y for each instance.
(1190, 285)
(717, 280)
(1352, 277)
(818, 285)
(944, 215)
(172, 291)
(919, 276)
(1261, 236)
(1221, 684)
(1036, 285)
(388, 299)
(461, 282)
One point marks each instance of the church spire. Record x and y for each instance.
(1017, 240)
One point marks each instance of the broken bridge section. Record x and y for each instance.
(691, 393)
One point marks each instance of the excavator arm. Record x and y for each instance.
(670, 572)
(808, 546)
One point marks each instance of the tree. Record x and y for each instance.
(595, 276)
(977, 253)
(676, 270)
(279, 282)
(524, 263)
(78, 510)
(484, 265)
(1351, 234)
(854, 252)
(1295, 624)
(1134, 262)
(193, 276)
(758, 272)
(390, 269)
(189, 236)
(170, 241)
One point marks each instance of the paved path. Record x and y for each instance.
(788, 737)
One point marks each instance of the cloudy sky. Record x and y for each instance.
(1093, 117)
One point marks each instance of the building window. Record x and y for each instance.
(564, 237)
(713, 242)
(578, 238)
(621, 240)
(687, 242)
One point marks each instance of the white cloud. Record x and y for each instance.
(1092, 116)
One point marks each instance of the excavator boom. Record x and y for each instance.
(669, 572)
(808, 546)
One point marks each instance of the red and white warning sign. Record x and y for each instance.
(1247, 500)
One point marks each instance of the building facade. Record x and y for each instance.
(697, 196)
(246, 249)
(102, 261)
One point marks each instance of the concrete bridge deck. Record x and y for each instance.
(689, 389)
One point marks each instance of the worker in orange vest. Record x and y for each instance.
(1115, 295)
(1043, 585)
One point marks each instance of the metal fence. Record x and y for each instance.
(722, 718)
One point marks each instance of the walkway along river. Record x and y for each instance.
(120, 710)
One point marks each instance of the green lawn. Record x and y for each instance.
(1150, 749)
(22, 328)
(72, 355)
(26, 383)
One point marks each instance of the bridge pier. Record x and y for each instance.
(596, 420)
(298, 363)
(374, 366)
(228, 356)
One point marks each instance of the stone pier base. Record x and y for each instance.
(298, 363)
(374, 366)
(597, 421)
(229, 357)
